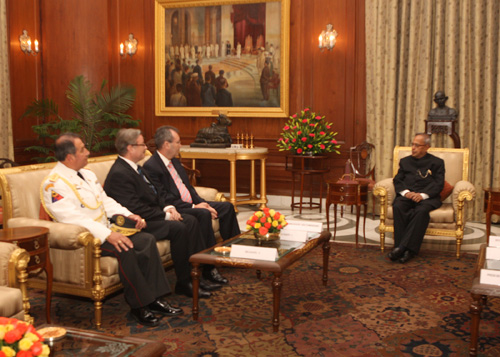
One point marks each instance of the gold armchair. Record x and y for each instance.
(449, 219)
(14, 301)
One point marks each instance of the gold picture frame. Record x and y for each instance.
(255, 62)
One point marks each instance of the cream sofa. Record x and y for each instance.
(14, 300)
(449, 219)
(79, 268)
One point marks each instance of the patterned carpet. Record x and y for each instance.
(371, 307)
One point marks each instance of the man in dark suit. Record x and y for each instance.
(167, 172)
(130, 186)
(418, 183)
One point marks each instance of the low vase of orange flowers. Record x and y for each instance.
(18, 338)
(266, 224)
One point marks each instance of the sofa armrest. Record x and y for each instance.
(385, 187)
(210, 194)
(463, 190)
(61, 235)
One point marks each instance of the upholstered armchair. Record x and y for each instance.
(449, 219)
(14, 301)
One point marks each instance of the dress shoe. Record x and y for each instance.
(395, 254)
(162, 307)
(208, 285)
(145, 316)
(211, 273)
(406, 256)
(187, 289)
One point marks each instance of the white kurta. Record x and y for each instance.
(69, 199)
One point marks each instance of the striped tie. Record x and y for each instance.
(185, 195)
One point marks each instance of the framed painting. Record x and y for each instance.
(222, 57)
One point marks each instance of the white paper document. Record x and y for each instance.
(301, 231)
(494, 241)
(251, 252)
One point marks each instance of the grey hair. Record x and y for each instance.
(164, 133)
(427, 138)
(124, 138)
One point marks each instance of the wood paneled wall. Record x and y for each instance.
(83, 37)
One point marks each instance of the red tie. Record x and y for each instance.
(185, 195)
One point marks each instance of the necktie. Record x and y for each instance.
(80, 175)
(139, 170)
(185, 195)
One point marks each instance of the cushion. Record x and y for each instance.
(447, 189)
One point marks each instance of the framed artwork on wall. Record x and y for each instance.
(224, 56)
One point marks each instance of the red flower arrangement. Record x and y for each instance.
(18, 338)
(308, 133)
(266, 221)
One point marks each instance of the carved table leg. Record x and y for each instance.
(277, 284)
(476, 307)
(195, 277)
(326, 256)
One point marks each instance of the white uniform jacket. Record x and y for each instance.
(69, 199)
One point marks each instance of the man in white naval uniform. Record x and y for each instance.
(73, 195)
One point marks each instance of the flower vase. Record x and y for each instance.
(266, 237)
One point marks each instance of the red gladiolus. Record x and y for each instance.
(318, 117)
(299, 150)
(322, 146)
(328, 127)
(286, 127)
(334, 141)
(306, 110)
(304, 120)
(294, 116)
(289, 147)
(309, 146)
(286, 140)
(295, 127)
(312, 135)
(294, 140)
(304, 139)
(322, 133)
(299, 132)
(263, 230)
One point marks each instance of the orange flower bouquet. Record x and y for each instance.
(266, 221)
(18, 338)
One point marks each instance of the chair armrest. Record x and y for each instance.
(385, 187)
(61, 235)
(210, 194)
(463, 190)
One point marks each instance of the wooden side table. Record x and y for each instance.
(479, 293)
(347, 193)
(36, 242)
(307, 166)
(491, 206)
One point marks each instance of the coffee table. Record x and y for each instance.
(78, 342)
(289, 253)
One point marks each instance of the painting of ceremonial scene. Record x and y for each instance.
(226, 55)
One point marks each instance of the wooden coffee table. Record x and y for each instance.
(289, 253)
(90, 343)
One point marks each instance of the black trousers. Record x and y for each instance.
(185, 239)
(228, 224)
(410, 222)
(140, 269)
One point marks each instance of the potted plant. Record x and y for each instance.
(98, 116)
(308, 134)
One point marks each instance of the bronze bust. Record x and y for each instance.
(442, 112)
(216, 135)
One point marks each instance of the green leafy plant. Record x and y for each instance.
(97, 116)
(308, 133)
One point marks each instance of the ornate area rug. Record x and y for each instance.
(371, 307)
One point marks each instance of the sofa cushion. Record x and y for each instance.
(447, 190)
(11, 301)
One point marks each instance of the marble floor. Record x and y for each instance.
(475, 233)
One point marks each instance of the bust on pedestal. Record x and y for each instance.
(442, 119)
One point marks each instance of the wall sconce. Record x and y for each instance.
(130, 46)
(328, 38)
(25, 42)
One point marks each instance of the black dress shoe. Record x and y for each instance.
(208, 285)
(187, 289)
(406, 256)
(145, 317)
(211, 273)
(162, 307)
(396, 253)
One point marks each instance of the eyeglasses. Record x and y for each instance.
(139, 145)
(417, 145)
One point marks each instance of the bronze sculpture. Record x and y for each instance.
(216, 135)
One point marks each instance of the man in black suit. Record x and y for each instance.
(167, 172)
(418, 185)
(130, 186)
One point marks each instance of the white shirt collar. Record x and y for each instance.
(163, 158)
(130, 162)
